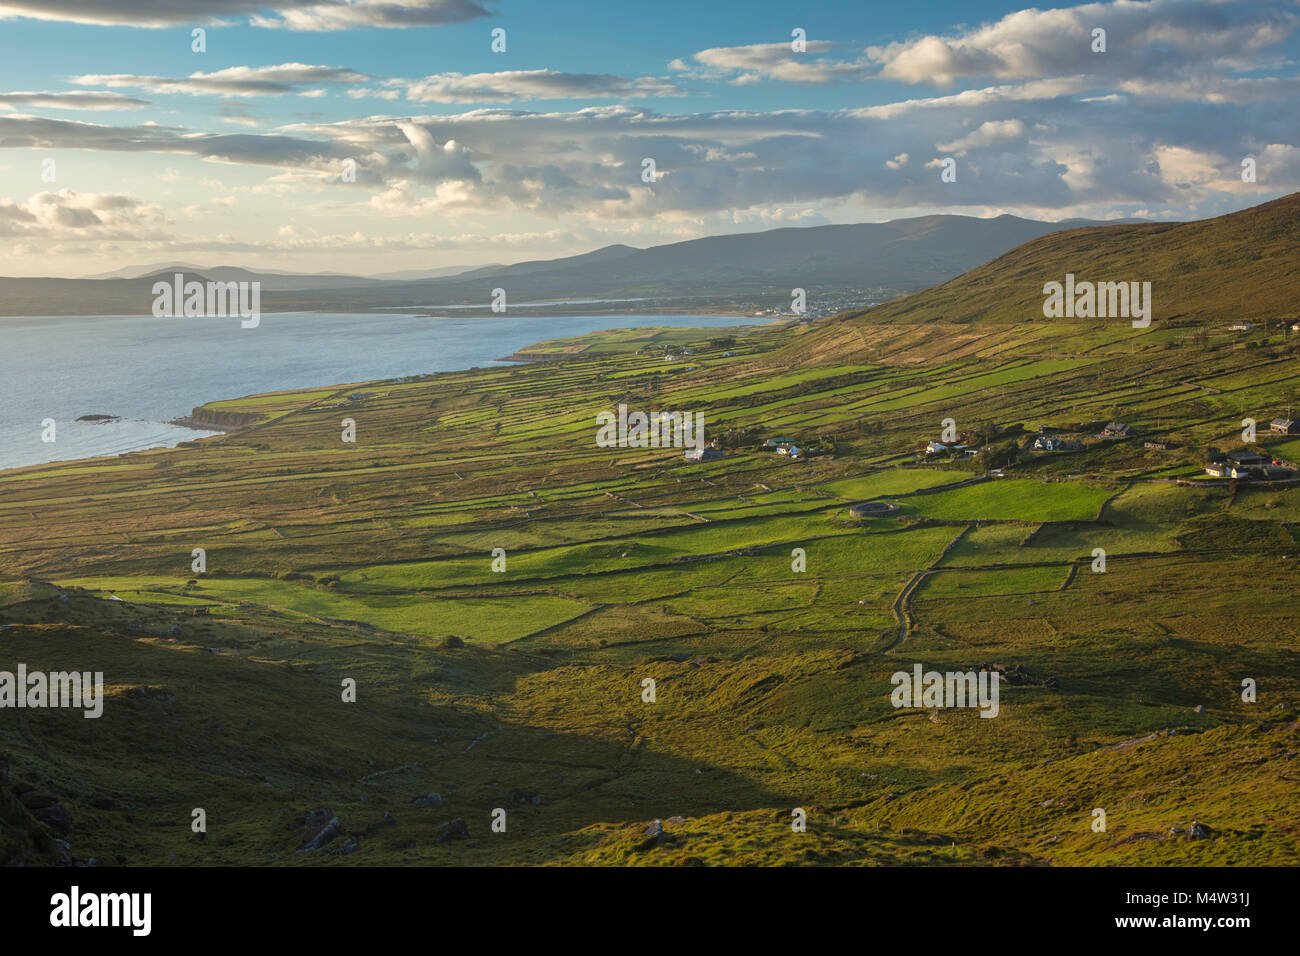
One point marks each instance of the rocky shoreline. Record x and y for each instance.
(207, 419)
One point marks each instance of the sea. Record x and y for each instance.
(148, 371)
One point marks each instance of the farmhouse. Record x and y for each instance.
(1116, 430)
(1245, 464)
(1285, 426)
(1158, 445)
(1046, 443)
(1242, 326)
(703, 454)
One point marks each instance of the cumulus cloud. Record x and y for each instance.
(1050, 129)
(1142, 39)
(399, 200)
(437, 163)
(66, 214)
(987, 134)
(1021, 145)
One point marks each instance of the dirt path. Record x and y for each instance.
(900, 603)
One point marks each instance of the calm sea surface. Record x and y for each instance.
(149, 371)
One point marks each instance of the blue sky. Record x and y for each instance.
(120, 145)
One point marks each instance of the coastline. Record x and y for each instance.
(210, 422)
(189, 421)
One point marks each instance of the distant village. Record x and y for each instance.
(989, 447)
(1241, 464)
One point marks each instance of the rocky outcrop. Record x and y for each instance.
(220, 419)
(455, 830)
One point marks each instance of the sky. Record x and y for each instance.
(368, 136)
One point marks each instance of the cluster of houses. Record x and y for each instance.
(1245, 464)
(671, 353)
(785, 446)
(959, 448)
(1053, 443)
(1250, 326)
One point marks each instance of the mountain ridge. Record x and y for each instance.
(902, 254)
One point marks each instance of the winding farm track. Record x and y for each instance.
(900, 603)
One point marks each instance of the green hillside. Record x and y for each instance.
(1241, 266)
(522, 689)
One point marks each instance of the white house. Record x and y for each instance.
(702, 454)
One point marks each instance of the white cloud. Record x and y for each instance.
(65, 213)
(75, 100)
(315, 15)
(515, 85)
(232, 81)
(992, 133)
(1159, 36)
(775, 61)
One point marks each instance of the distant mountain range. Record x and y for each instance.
(903, 254)
(282, 281)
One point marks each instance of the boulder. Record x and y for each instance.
(454, 830)
(428, 800)
(326, 835)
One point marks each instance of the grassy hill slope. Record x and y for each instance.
(521, 689)
(1241, 266)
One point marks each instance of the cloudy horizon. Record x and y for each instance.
(368, 137)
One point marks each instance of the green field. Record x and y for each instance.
(500, 588)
